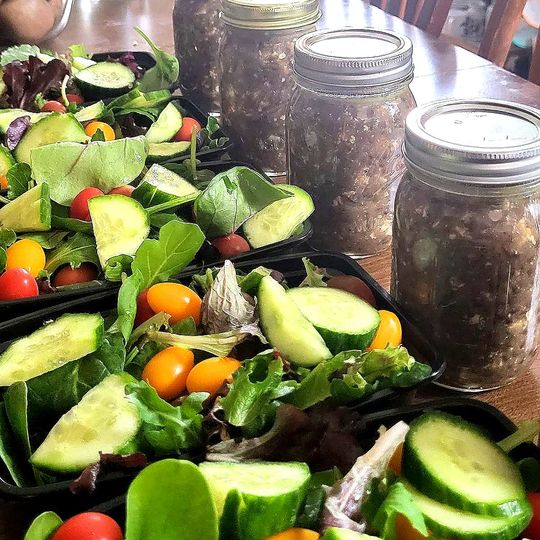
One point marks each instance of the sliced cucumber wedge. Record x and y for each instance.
(286, 328)
(68, 338)
(162, 151)
(104, 79)
(103, 421)
(29, 212)
(6, 160)
(452, 461)
(91, 112)
(279, 220)
(160, 185)
(256, 500)
(344, 321)
(120, 225)
(166, 126)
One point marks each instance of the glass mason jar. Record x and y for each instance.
(256, 80)
(345, 128)
(197, 33)
(465, 258)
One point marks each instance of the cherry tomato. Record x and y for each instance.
(126, 190)
(353, 285)
(388, 333)
(79, 206)
(177, 300)
(89, 526)
(17, 283)
(69, 276)
(295, 534)
(75, 98)
(230, 245)
(395, 461)
(108, 131)
(533, 530)
(3, 183)
(144, 311)
(184, 133)
(209, 375)
(27, 254)
(53, 106)
(168, 371)
(405, 531)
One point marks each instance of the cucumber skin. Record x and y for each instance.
(415, 472)
(93, 91)
(154, 157)
(149, 195)
(338, 342)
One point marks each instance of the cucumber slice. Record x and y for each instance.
(55, 127)
(166, 126)
(344, 321)
(279, 220)
(167, 150)
(160, 185)
(91, 112)
(68, 338)
(452, 461)
(8, 115)
(104, 79)
(6, 160)
(29, 212)
(335, 533)
(120, 225)
(80, 62)
(286, 328)
(256, 500)
(103, 421)
(447, 522)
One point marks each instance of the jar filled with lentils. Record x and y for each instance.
(465, 258)
(197, 33)
(345, 128)
(256, 80)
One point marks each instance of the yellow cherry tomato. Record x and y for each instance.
(177, 300)
(27, 254)
(168, 371)
(108, 131)
(295, 534)
(209, 375)
(388, 333)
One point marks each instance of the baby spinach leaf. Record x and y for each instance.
(231, 198)
(79, 249)
(8, 450)
(127, 304)
(18, 52)
(7, 237)
(18, 179)
(116, 266)
(171, 500)
(164, 73)
(60, 220)
(43, 527)
(47, 240)
(16, 403)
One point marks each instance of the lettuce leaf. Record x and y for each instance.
(18, 52)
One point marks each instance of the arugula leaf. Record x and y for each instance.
(231, 198)
(79, 249)
(164, 73)
(167, 429)
(18, 177)
(60, 220)
(47, 240)
(18, 52)
(116, 266)
(315, 276)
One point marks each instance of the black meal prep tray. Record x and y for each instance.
(207, 255)
(292, 268)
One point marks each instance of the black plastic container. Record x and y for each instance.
(145, 59)
(207, 255)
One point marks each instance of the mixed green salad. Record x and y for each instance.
(93, 211)
(439, 477)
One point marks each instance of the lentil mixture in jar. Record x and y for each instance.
(345, 129)
(256, 80)
(197, 33)
(465, 258)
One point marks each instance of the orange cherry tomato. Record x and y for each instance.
(295, 534)
(27, 254)
(184, 133)
(108, 131)
(388, 333)
(168, 371)
(3, 183)
(177, 300)
(53, 106)
(209, 375)
(405, 531)
(395, 461)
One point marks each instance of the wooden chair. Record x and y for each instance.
(430, 15)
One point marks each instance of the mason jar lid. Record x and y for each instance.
(482, 142)
(352, 58)
(270, 14)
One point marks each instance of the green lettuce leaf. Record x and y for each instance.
(18, 178)
(79, 249)
(78, 50)
(18, 52)
(315, 276)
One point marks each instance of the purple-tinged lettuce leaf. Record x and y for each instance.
(128, 59)
(16, 130)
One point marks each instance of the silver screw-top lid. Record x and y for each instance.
(349, 59)
(270, 14)
(479, 142)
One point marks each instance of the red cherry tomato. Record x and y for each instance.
(75, 98)
(53, 106)
(79, 206)
(89, 526)
(230, 245)
(144, 311)
(533, 530)
(126, 190)
(184, 133)
(17, 283)
(353, 285)
(69, 276)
